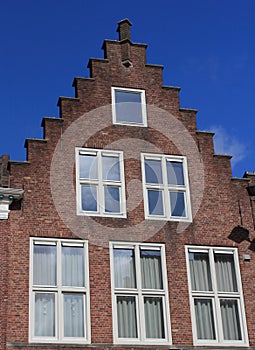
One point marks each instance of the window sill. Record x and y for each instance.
(58, 343)
(130, 124)
(175, 219)
(99, 215)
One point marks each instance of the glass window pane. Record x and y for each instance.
(126, 312)
(124, 268)
(153, 171)
(154, 320)
(128, 107)
(88, 166)
(225, 272)
(177, 203)
(200, 274)
(230, 320)
(155, 202)
(204, 319)
(111, 168)
(112, 199)
(175, 173)
(89, 197)
(44, 315)
(44, 265)
(151, 269)
(73, 266)
(73, 315)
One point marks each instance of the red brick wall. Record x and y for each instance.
(212, 224)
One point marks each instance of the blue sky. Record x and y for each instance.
(207, 48)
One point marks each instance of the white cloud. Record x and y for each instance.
(225, 143)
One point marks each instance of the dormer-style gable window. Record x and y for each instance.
(129, 106)
(166, 187)
(100, 183)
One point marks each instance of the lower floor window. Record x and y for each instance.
(59, 291)
(45, 305)
(140, 298)
(153, 317)
(216, 299)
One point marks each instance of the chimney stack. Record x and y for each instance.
(124, 29)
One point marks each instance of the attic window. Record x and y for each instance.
(129, 106)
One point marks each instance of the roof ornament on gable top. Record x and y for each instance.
(124, 29)
(124, 37)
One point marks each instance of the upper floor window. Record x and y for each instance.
(59, 291)
(129, 106)
(216, 299)
(166, 187)
(100, 183)
(139, 294)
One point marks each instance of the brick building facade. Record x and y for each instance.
(123, 228)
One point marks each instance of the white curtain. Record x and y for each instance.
(225, 273)
(44, 265)
(73, 315)
(124, 268)
(153, 312)
(151, 269)
(73, 266)
(204, 319)
(126, 311)
(200, 271)
(44, 314)
(230, 320)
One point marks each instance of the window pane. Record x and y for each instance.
(88, 166)
(124, 268)
(225, 272)
(126, 311)
(230, 320)
(154, 320)
(112, 199)
(155, 201)
(175, 173)
(89, 198)
(200, 274)
(73, 315)
(44, 314)
(204, 319)
(128, 107)
(73, 266)
(177, 202)
(151, 269)
(153, 171)
(111, 168)
(44, 265)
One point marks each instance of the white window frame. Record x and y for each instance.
(216, 296)
(143, 106)
(165, 188)
(100, 183)
(59, 292)
(139, 294)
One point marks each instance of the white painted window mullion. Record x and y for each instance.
(140, 311)
(59, 301)
(166, 199)
(100, 198)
